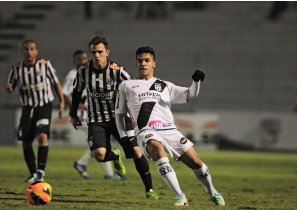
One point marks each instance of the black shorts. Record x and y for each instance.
(34, 121)
(99, 134)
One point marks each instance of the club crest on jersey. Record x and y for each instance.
(158, 87)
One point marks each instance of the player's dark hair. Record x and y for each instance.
(29, 41)
(78, 52)
(99, 40)
(146, 49)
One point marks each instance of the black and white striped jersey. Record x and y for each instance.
(34, 82)
(101, 86)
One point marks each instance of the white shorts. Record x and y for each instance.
(173, 141)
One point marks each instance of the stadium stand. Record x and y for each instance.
(250, 62)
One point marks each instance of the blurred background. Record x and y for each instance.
(248, 51)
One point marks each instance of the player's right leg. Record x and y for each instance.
(25, 134)
(156, 150)
(99, 142)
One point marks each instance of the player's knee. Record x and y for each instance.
(138, 152)
(99, 155)
(42, 139)
(155, 149)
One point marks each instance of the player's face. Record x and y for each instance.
(99, 55)
(80, 59)
(30, 52)
(146, 65)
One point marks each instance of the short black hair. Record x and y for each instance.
(97, 40)
(78, 52)
(146, 49)
(29, 41)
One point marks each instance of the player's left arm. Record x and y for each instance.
(121, 110)
(184, 94)
(12, 81)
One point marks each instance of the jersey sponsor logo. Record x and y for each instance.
(102, 96)
(149, 95)
(183, 140)
(148, 135)
(36, 86)
(158, 124)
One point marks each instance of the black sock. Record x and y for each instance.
(42, 157)
(110, 155)
(143, 169)
(30, 158)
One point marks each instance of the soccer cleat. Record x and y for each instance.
(180, 200)
(115, 176)
(39, 175)
(218, 199)
(152, 194)
(82, 170)
(31, 178)
(119, 166)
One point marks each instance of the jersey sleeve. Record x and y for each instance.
(68, 83)
(121, 110)
(121, 101)
(77, 93)
(52, 73)
(124, 74)
(12, 76)
(180, 94)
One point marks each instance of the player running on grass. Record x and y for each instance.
(101, 78)
(148, 101)
(79, 58)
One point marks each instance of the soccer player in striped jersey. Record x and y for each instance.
(79, 58)
(148, 101)
(34, 77)
(101, 78)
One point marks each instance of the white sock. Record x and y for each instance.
(203, 175)
(108, 168)
(168, 175)
(85, 158)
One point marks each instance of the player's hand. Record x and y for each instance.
(198, 76)
(75, 122)
(9, 87)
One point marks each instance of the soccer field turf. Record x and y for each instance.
(247, 180)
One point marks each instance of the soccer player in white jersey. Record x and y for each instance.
(148, 101)
(79, 58)
(34, 78)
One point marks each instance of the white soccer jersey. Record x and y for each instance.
(148, 102)
(68, 86)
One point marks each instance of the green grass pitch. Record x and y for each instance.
(247, 180)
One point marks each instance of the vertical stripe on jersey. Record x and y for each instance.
(144, 114)
(20, 78)
(25, 83)
(99, 102)
(108, 104)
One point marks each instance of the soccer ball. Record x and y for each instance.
(39, 193)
